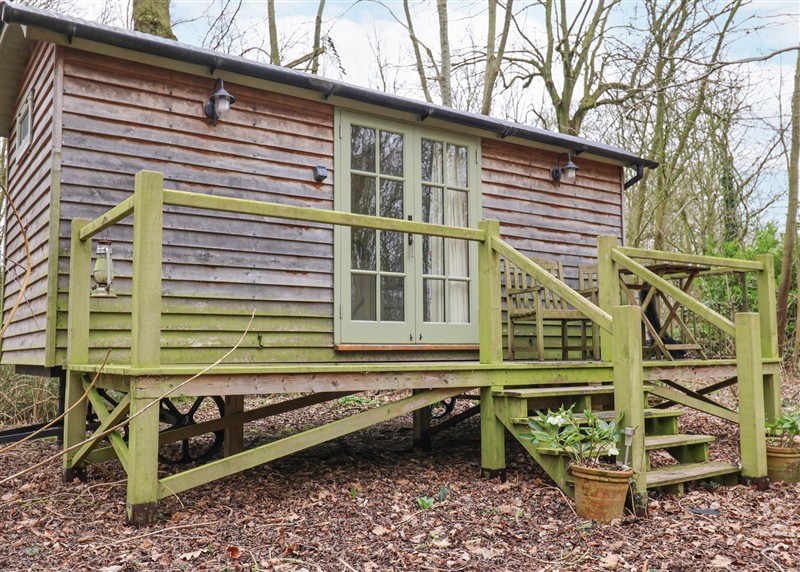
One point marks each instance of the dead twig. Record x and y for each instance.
(28, 263)
(168, 529)
(64, 414)
(124, 422)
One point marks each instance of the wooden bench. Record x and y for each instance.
(529, 301)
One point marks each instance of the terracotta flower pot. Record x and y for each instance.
(783, 464)
(600, 493)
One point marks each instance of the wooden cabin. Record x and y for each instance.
(340, 239)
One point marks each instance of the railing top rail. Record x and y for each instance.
(584, 306)
(714, 261)
(618, 256)
(110, 218)
(308, 214)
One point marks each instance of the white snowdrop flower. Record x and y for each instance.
(613, 451)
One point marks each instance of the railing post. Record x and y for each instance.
(490, 319)
(148, 206)
(753, 447)
(608, 288)
(629, 393)
(80, 260)
(767, 315)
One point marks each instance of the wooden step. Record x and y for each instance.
(652, 442)
(606, 415)
(555, 391)
(676, 474)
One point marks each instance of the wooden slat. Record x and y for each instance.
(108, 219)
(675, 474)
(705, 407)
(654, 442)
(531, 392)
(206, 202)
(660, 255)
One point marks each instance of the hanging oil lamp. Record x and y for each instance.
(103, 270)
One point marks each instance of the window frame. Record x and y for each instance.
(25, 112)
(348, 331)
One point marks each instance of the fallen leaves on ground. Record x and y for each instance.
(351, 505)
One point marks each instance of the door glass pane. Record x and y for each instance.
(432, 161)
(392, 298)
(392, 252)
(391, 199)
(392, 246)
(362, 148)
(432, 246)
(457, 250)
(391, 154)
(362, 297)
(457, 165)
(459, 302)
(362, 249)
(433, 300)
(362, 195)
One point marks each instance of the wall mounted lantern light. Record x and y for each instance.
(103, 271)
(219, 103)
(568, 171)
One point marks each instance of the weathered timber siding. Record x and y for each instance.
(542, 218)
(30, 183)
(120, 118)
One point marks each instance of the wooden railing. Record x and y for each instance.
(755, 336)
(620, 338)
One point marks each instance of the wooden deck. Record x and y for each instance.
(627, 378)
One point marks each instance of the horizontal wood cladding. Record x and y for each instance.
(29, 184)
(218, 268)
(546, 219)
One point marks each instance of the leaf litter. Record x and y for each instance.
(352, 505)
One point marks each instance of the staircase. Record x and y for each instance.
(512, 407)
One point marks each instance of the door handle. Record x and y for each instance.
(410, 236)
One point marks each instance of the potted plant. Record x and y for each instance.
(600, 485)
(783, 448)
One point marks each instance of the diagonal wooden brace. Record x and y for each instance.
(107, 420)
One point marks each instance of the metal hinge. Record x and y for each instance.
(341, 313)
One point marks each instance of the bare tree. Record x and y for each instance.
(790, 235)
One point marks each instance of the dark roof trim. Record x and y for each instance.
(12, 13)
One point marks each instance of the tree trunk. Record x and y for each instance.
(494, 57)
(152, 17)
(445, 81)
(317, 37)
(274, 54)
(423, 81)
(790, 234)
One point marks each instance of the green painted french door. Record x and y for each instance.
(396, 288)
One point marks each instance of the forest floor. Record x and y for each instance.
(352, 505)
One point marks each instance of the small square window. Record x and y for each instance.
(24, 124)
